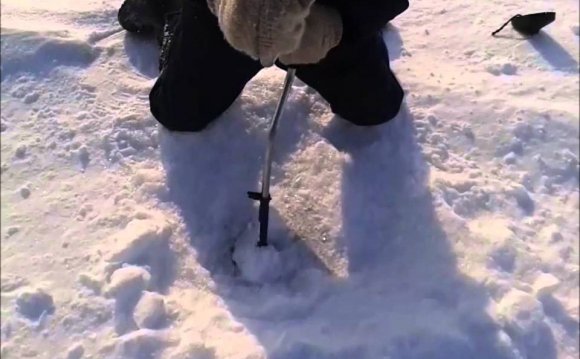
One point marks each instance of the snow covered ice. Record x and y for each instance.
(450, 232)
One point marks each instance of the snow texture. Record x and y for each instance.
(450, 232)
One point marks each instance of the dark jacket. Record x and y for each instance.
(366, 17)
(360, 17)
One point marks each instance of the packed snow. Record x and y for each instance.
(450, 232)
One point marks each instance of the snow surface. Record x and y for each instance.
(450, 232)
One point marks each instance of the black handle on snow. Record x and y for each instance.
(529, 24)
(264, 196)
(504, 25)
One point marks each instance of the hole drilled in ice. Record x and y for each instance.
(257, 264)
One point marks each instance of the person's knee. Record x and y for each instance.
(177, 115)
(378, 113)
(181, 120)
(183, 125)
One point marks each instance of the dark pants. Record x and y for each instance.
(204, 75)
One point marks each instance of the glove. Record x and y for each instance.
(322, 33)
(262, 29)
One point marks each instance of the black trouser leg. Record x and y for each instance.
(356, 80)
(203, 74)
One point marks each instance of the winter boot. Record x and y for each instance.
(170, 26)
(146, 17)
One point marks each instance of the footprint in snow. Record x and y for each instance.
(140, 267)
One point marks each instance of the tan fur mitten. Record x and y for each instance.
(262, 29)
(322, 33)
